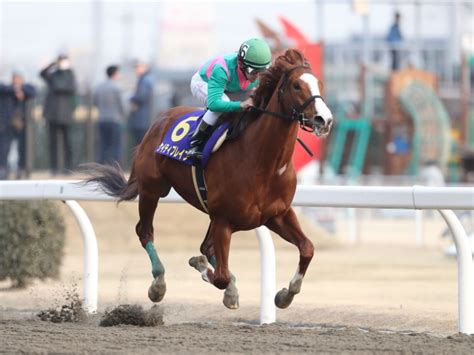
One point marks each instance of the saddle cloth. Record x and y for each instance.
(175, 144)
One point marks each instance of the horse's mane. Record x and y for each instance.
(268, 81)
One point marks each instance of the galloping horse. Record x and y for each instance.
(251, 180)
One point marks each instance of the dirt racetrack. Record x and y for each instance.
(384, 294)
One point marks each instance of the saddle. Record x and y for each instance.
(176, 141)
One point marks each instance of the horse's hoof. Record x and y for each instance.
(231, 297)
(283, 298)
(231, 301)
(157, 290)
(198, 262)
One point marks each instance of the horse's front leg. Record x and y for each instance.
(219, 235)
(288, 227)
(203, 264)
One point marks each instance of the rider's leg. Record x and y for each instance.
(201, 134)
(199, 89)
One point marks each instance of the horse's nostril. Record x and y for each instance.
(329, 121)
(319, 120)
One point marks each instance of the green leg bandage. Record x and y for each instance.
(157, 267)
(212, 261)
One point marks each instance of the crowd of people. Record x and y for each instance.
(213, 86)
(210, 86)
(59, 107)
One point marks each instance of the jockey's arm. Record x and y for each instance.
(216, 86)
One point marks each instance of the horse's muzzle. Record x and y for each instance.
(322, 126)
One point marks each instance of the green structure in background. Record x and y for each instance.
(430, 137)
(361, 128)
(431, 140)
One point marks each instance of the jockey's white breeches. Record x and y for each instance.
(199, 91)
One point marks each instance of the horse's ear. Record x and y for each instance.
(288, 52)
(295, 56)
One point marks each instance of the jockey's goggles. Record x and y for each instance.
(249, 70)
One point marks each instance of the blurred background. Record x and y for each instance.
(398, 76)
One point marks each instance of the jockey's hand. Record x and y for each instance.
(246, 103)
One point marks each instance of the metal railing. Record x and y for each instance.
(443, 199)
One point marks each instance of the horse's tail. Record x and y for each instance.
(111, 179)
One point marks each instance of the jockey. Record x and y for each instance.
(233, 73)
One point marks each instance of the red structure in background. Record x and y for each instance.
(314, 53)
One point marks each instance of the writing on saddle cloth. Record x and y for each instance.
(175, 144)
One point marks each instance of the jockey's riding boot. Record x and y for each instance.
(199, 139)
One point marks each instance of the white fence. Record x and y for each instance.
(443, 199)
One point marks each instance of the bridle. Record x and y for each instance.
(297, 114)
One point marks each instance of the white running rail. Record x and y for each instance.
(443, 199)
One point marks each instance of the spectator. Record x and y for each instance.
(13, 117)
(394, 37)
(108, 99)
(141, 104)
(59, 109)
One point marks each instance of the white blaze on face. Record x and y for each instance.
(321, 108)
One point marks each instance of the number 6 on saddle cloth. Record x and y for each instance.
(176, 144)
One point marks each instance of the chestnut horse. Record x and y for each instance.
(251, 180)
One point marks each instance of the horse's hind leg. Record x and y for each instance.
(147, 204)
(203, 262)
(288, 228)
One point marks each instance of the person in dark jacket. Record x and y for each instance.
(59, 108)
(394, 38)
(108, 100)
(13, 119)
(141, 113)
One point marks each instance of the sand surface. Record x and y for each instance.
(383, 294)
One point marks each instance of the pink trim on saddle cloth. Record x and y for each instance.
(243, 81)
(218, 60)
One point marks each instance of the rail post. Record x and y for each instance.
(91, 256)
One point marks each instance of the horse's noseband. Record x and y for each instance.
(298, 114)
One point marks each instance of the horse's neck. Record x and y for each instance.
(271, 140)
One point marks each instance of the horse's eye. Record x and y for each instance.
(296, 86)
